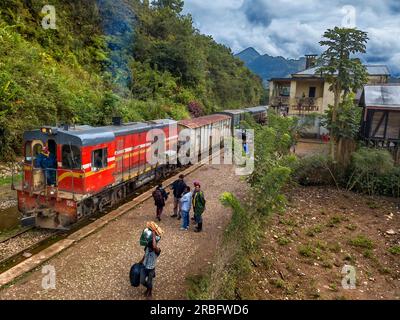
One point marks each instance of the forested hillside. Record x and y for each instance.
(123, 57)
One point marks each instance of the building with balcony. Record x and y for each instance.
(306, 92)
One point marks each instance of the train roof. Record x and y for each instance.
(203, 121)
(89, 136)
(232, 112)
(258, 109)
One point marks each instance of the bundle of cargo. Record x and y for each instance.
(147, 235)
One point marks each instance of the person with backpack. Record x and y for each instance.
(149, 260)
(199, 206)
(159, 196)
(178, 188)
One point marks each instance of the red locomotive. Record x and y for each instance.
(98, 167)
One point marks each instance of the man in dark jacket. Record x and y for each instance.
(160, 196)
(47, 161)
(199, 205)
(178, 188)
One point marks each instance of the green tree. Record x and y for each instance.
(344, 72)
(174, 5)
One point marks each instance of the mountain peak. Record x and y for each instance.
(249, 50)
(248, 55)
(267, 66)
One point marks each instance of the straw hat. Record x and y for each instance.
(154, 226)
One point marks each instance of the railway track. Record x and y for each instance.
(15, 234)
(16, 258)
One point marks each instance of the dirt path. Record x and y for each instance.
(323, 229)
(98, 266)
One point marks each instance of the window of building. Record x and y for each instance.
(99, 159)
(312, 92)
(71, 157)
(284, 91)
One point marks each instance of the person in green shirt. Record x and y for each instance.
(199, 206)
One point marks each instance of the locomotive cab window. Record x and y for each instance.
(71, 157)
(99, 159)
(28, 152)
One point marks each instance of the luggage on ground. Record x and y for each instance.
(134, 274)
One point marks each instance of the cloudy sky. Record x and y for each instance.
(292, 28)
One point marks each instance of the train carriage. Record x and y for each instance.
(236, 115)
(95, 167)
(259, 113)
(205, 133)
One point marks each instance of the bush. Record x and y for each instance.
(372, 171)
(315, 170)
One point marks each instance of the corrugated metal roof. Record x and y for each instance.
(373, 70)
(383, 96)
(258, 109)
(203, 121)
(232, 112)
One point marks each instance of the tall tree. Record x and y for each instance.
(174, 5)
(344, 72)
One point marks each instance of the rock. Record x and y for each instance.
(391, 232)
(27, 254)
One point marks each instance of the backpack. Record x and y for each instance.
(146, 237)
(134, 274)
(158, 198)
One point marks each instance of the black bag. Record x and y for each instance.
(159, 200)
(134, 274)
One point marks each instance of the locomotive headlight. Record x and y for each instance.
(48, 131)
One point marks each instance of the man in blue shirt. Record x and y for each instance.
(186, 204)
(149, 261)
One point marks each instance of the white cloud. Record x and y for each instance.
(293, 28)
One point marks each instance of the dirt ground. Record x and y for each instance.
(98, 266)
(308, 147)
(322, 230)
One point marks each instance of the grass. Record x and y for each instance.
(334, 247)
(266, 262)
(335, 220)
(351, 227)
(372, 205)
(395, 250)
(311, 232)
(4, 181)
(307, 251)
(283, 241)
(362, 241)
(368, 254)
(289, 222)
(197, 287)
(333, 287)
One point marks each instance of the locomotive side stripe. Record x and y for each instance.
(81, 175)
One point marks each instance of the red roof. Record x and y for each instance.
(203, 121)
